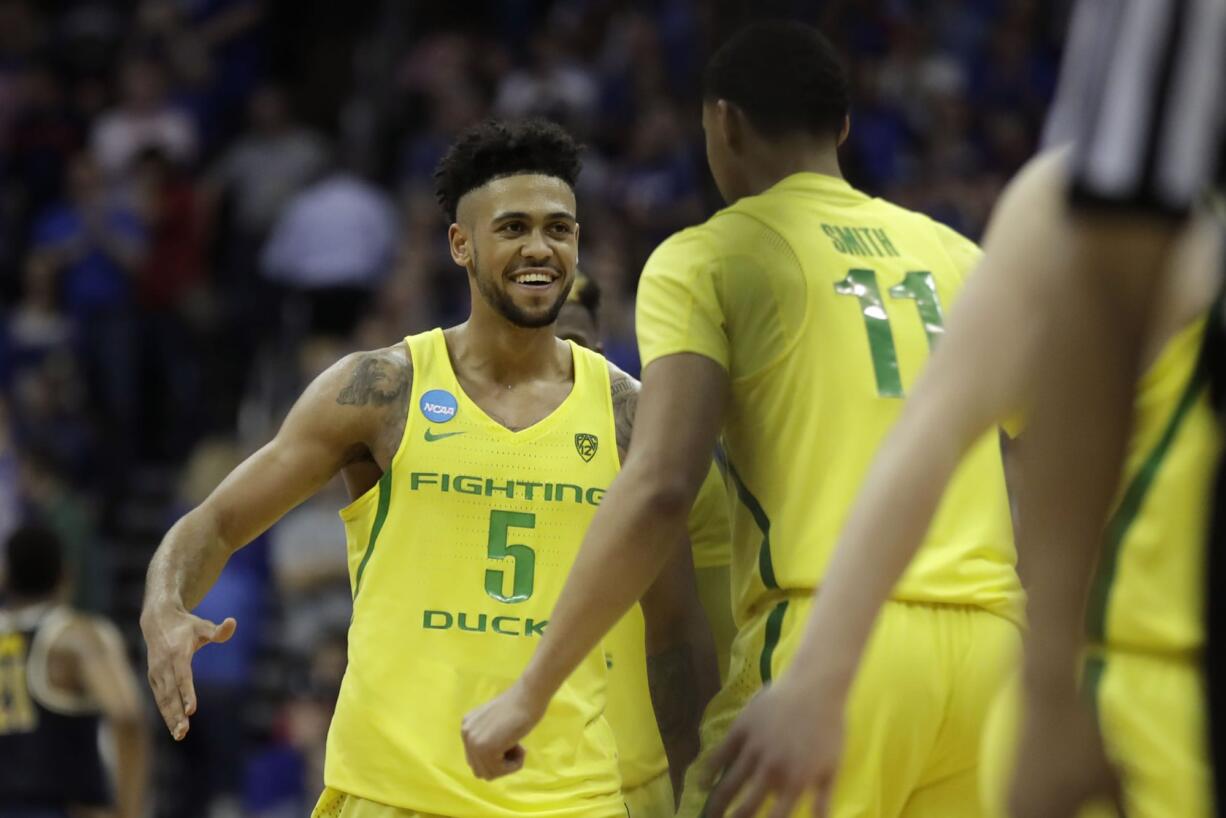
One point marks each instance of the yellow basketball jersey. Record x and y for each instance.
(1148, 592)
(822, 304)
(709, 525)
(630, 712)
(457, 557)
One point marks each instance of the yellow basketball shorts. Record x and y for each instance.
(651, 799)
(914, 716)
(336, 804)
(1152, 713)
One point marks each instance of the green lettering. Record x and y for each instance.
(549, 492)
(852, 242)
(867, 235)
(480, 623)
(528, 487)
(834, 238)
(422, 478)
(560, 492)
(534, 628)
(508, 489)
(594, 496)
(428, 620)
(446, 482)
(465, 484)
(885, 241)
(497, 625)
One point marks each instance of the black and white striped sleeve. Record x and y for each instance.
(1142, 97)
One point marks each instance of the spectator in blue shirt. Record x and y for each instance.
(95, 244)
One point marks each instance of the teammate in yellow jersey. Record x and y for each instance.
(796, 319)
(476, 457)
(644, 768)
(1145, 618)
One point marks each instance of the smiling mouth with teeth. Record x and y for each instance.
(533, 278)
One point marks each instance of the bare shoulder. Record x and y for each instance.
(371, 391)
(625, 393)
(374, 378)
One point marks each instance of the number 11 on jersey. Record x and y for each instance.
(918, 286)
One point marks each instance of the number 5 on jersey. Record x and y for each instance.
(918, 286)
(522, 556)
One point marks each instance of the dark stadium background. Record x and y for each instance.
(205, 202)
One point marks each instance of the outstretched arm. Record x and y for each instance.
(638, 528)
(338, 420)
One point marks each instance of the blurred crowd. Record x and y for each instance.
(203, 203)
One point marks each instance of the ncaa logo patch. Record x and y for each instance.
(586, 446)
(438, 405)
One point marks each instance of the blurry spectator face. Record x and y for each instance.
(658, 132)
(576, 324)
(85, 180)
(39, 281)
(456, 110)
(143, 85)
(519, 240)
(269, 110)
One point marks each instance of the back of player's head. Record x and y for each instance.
(494, 149)
(586, 293)
(786, 77)
(33, 562)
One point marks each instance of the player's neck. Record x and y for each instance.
(783, 160)
(489, 347)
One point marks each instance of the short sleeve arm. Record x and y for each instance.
(678, 308)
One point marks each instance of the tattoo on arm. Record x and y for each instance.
(672, 678)
(376, 381)
(625, 392)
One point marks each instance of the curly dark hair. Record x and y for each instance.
(785, 76)
(495, 149)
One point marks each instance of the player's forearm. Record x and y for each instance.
(633, 534)
(132, 767)
(187, 563)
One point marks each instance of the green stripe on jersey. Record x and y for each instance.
(765, 566)
(385, 500)
(774, 628)
(1130, 506)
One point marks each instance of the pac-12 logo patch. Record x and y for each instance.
(586, 446)
(438, 405)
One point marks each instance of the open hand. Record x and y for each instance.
(172, 636)
(493, 731)
(785, 743)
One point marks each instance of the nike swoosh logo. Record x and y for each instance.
(431, 436)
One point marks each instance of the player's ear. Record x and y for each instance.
(844, 131)
(457, 240)
(731, 124)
